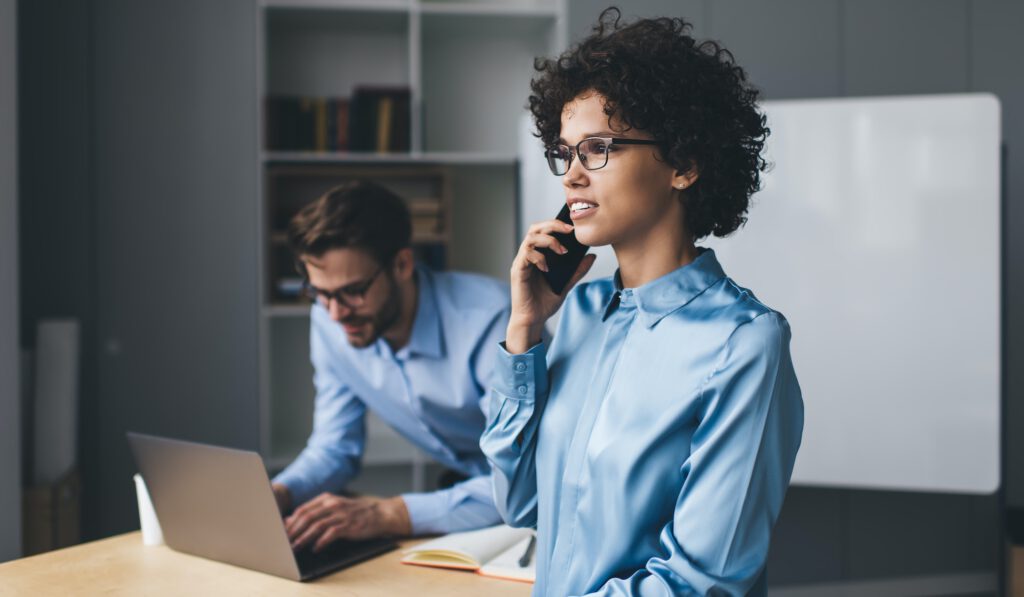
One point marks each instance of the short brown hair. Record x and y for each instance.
(360, 215)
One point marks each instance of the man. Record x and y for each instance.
(416, 347)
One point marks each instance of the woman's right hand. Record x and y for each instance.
(533, 302)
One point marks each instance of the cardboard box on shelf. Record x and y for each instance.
(51, 515)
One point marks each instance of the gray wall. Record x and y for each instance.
(138, 216)
(996, 66)
(58, 273)
(55, 208)
(175, 169)
(10, 368)
(828, 48)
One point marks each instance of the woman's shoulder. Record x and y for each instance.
(725, 306)
(744, 309)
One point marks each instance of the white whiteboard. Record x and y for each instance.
(877, 234)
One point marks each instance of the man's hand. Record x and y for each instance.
(283, 497)
(329, 517)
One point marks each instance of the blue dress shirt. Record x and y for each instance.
(432, 391)
(651, 447)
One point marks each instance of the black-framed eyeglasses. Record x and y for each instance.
(593, 153)
(352, 295)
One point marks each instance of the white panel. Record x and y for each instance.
(541, 194)
(55, 440)
(877, 235)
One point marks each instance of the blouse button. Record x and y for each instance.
(523, 390)
(520, 367)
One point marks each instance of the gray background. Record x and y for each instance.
(10, 437)
(137, 214)
(141, 221)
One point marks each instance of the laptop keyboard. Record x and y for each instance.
(339, 554)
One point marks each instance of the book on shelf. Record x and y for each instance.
(424, 205)
(341, 124)
(381, 119)
(385, 112)
(320, 124)
(427, 217)
(377, 119)
(299, 123)
(495, 551)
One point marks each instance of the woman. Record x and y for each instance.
(651, 445)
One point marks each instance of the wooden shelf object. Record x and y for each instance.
(466, 66)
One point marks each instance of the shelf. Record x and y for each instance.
(363, 6)
(496, 10)
(476, 75)
(281, 239)
(321, 53)
(520, 9)
(283, 310)
(430, 239)
(456, 158)
(468, 65)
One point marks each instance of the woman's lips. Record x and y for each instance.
(582, 213)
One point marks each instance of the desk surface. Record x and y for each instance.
(122, 565)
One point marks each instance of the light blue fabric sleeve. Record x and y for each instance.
(334, 451)
(470, 504)
(464, 506)
(736, 476)
(510, 439)
(483, 360)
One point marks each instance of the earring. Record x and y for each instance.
(681, 186)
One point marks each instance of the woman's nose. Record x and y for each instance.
(575, 175)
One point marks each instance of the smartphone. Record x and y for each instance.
(562, 267)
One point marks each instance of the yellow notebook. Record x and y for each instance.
(494, 551)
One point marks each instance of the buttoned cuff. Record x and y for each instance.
(521, 376)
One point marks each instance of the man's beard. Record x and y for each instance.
(381, 321)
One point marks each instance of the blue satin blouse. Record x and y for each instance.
(652, 445)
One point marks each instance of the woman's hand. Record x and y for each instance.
(532, 300)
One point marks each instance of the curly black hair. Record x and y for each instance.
(690, 96)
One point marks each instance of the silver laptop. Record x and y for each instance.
(217, 503)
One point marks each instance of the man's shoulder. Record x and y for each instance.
(467, 292)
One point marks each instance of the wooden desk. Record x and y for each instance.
(122, 565)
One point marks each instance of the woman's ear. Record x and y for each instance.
(684, 179)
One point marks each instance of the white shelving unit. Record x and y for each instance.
(463, 158)
(468, 65)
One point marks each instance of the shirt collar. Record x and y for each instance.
(426, 339)
(671, 292)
